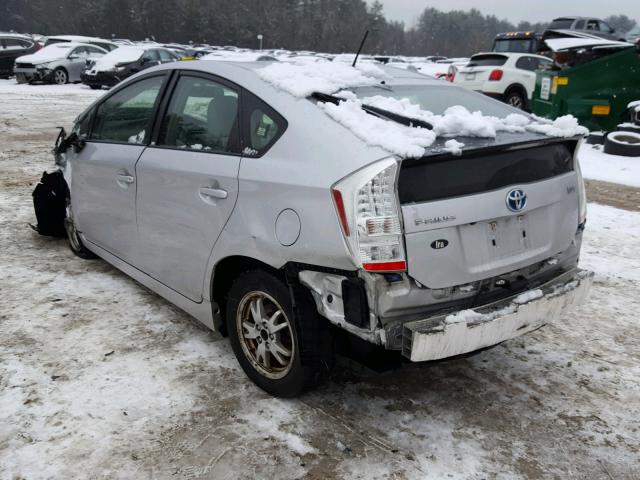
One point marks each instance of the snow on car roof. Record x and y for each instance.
(557, 44)
(50, 52)
(122, 54)
(77, 38)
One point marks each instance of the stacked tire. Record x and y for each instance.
(625, 141)
(622, 143)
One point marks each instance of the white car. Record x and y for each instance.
(510, 77)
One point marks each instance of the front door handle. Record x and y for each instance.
(213, 192)
(128, 179)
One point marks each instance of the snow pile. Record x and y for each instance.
(526, 297)
(393, 137)
(566, 126)
(454, 147)
(455, 121)
(471, 316)
(301, 80)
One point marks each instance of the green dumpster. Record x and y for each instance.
(596, 92)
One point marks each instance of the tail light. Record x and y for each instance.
(369, 213)
(451, 74)
(496, 75)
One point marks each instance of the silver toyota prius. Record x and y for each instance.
(263, 217)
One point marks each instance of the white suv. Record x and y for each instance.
(510, 77)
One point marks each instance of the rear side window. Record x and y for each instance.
(262, 125)
(15, 44)
(561, 23)
(150, 56)
(125, 117)
(530, 63)
(487, 61)
(593, 25)
(202, 115)
(165, 56)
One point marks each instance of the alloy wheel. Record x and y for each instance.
(265, 334)
(60, 77)
(516, 101)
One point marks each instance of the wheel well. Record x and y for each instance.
(516, 87)
(225, 272)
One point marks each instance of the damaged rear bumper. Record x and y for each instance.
(469, 330)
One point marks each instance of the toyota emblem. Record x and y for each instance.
(516, 200)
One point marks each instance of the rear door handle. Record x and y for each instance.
(128, 179)
(213, 192)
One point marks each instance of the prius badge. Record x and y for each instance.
(516, 200)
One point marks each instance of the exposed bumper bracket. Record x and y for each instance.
(469, 330)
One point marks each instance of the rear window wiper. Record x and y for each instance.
(378, 112)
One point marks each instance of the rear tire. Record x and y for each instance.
(95, 87)
(267, 336)
(516, 99)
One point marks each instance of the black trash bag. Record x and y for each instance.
(50, 203)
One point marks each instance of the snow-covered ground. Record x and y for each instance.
(597, 165)
(101, 378)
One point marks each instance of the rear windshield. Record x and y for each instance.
(561, 23)
(514, 45)
(437, 99)
(487, 61)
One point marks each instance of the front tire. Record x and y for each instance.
(75, 242)
(60, 76)
(267, 338)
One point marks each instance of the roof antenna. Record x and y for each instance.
(364, 39)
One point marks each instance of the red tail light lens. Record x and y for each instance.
(496, 75)
(400, 266)
(342, 215)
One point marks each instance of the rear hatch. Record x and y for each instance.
(493, 210)
(473, 75)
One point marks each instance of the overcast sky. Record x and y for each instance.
(514, 10)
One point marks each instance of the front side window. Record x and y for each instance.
(202, 115)
(605, 27)
(262, 125)
(125, 117)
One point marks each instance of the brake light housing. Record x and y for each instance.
(496, 75)
(582, 192)
(368, 210)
